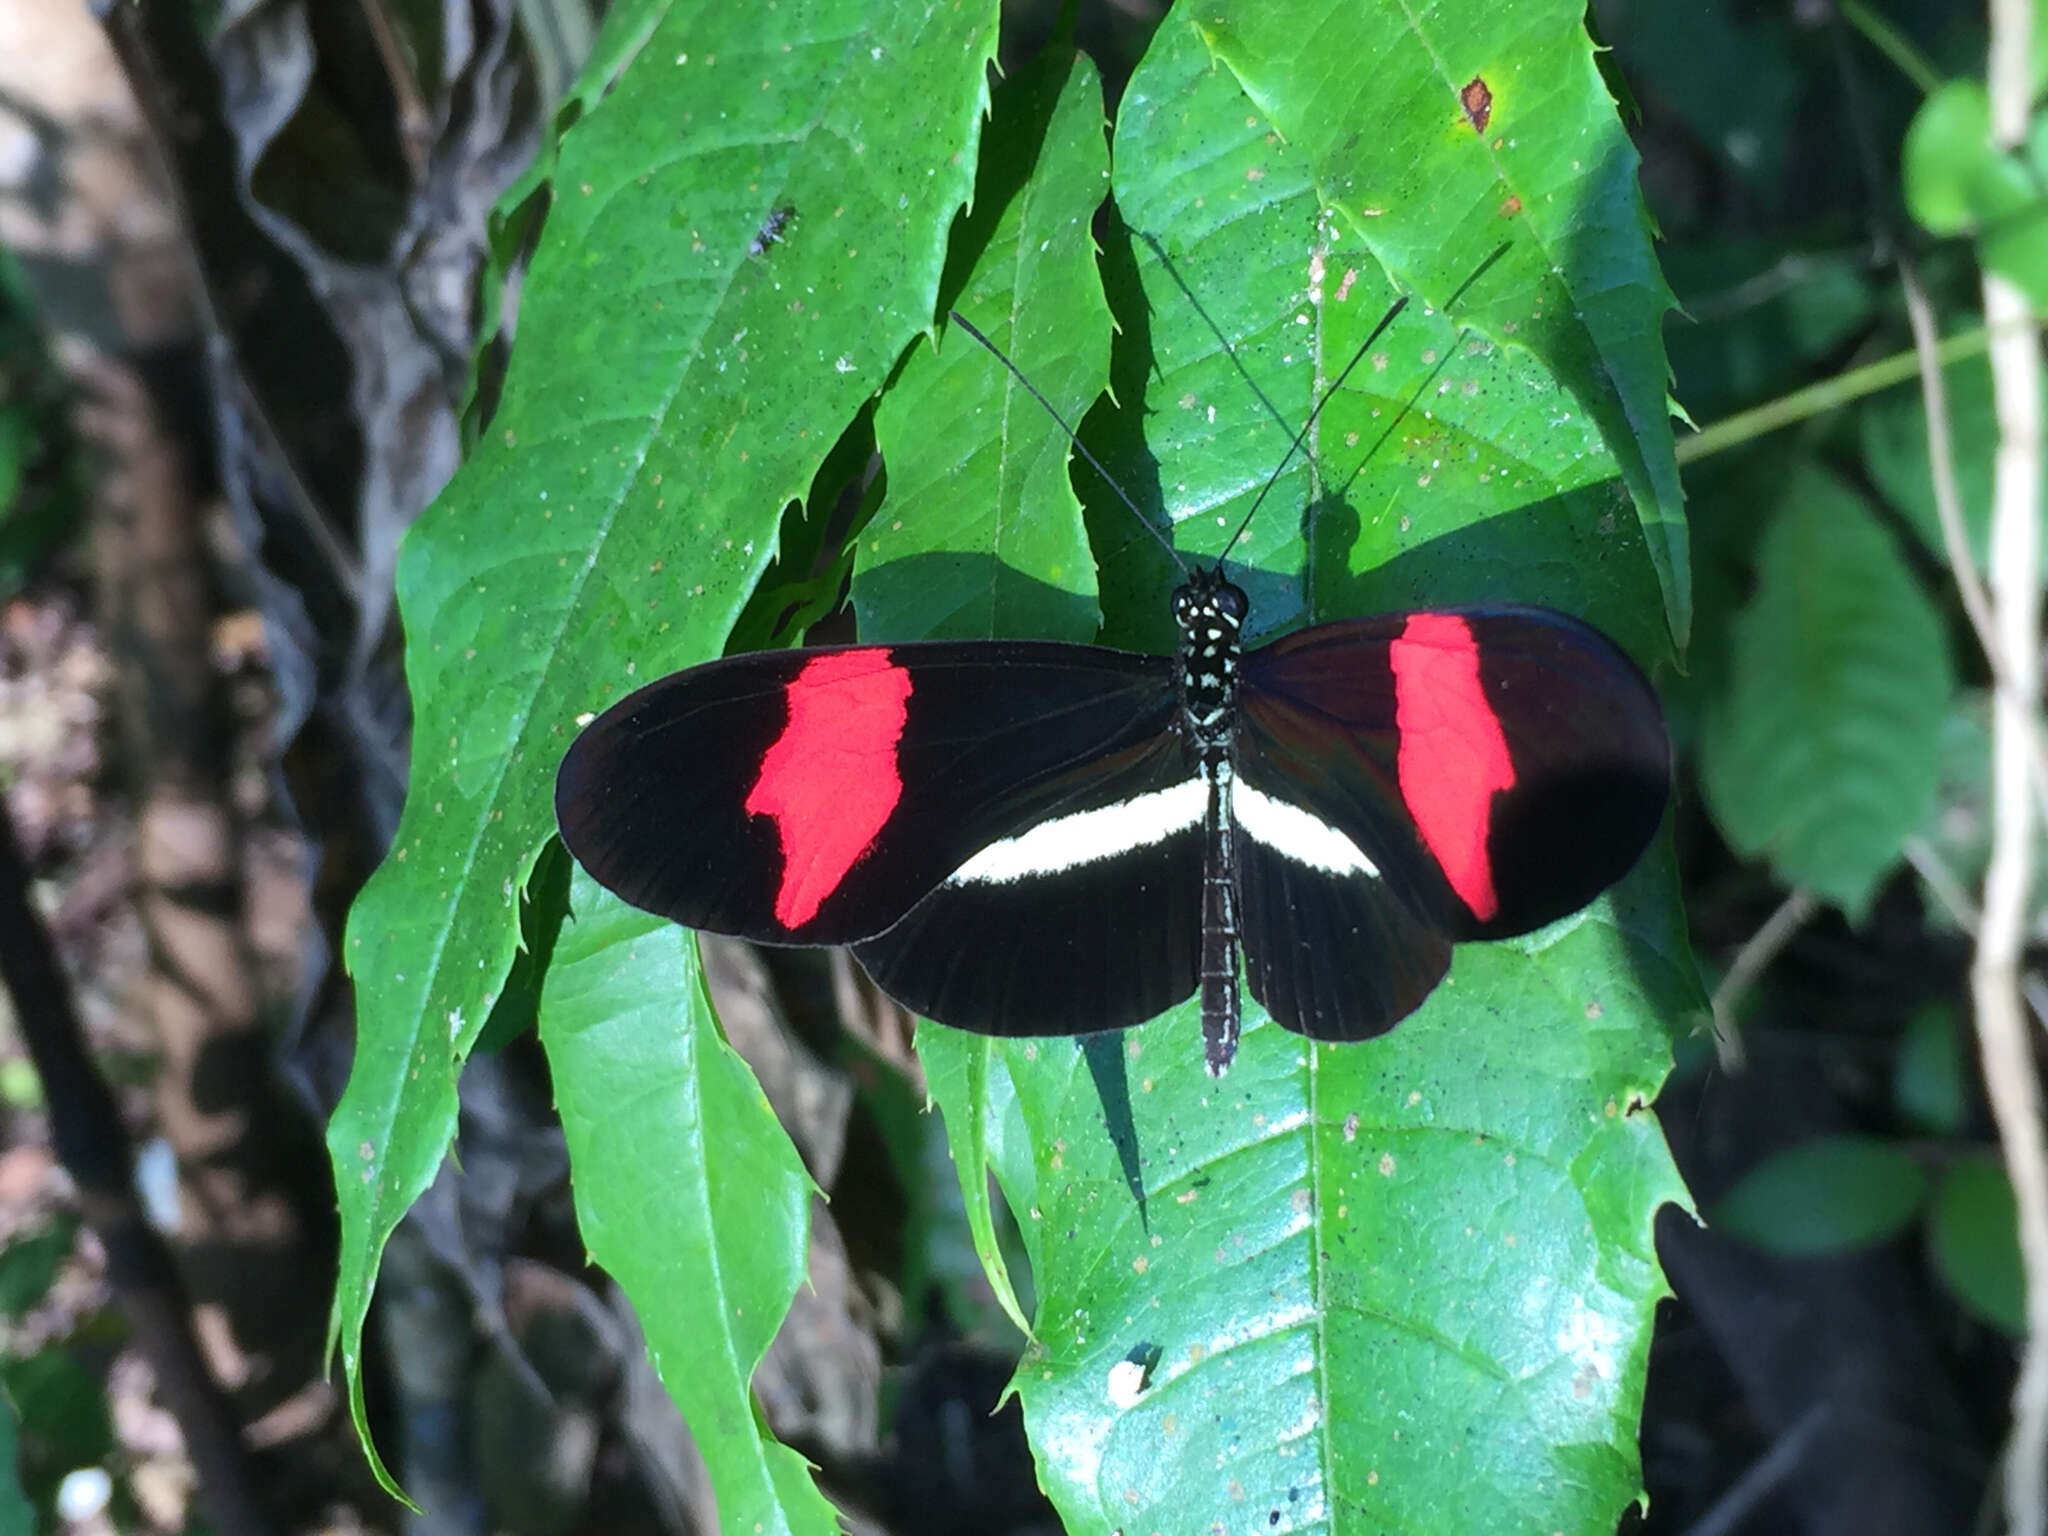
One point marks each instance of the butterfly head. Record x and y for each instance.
(1205, 602)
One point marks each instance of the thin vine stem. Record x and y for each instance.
(1828, 394)
(1893, 44)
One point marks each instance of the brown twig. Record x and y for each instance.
(1948, 501)
(1760, 950)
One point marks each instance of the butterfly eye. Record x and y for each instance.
(1230, 603)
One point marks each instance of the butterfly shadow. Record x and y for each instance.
(954, 595)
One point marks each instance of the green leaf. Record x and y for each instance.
(957, 1254)
(1446, 469)
(1508, 141)
(1400, 1285)
(1930, 1080)
(961, 1071)
(983, 536)
(1825, 1196)
(2037, 135)
(29, 1265)
(522, 207)
(1822, 754)
(669, 396)
(542, 905)
(1973, 1234)
(687, 1190)
(2016, 248)
(64, 1419)
(17, 1513)
(1954, 180)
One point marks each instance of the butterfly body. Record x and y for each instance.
(1030, 838)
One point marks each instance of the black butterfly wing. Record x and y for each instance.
(1453, 774)
(816, 796)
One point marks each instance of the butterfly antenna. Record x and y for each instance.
(1194, 301)
(1072, 436)
(1443, 362)
(1335, 384)
(1302, 436)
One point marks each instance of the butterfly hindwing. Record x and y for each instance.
(1089, 920)
(815, 797)
(1332, 953)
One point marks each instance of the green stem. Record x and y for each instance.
(1829, 394)
(1891, 42)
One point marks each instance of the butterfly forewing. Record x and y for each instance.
(1501, 766)
(1590, 759)
(815, 797)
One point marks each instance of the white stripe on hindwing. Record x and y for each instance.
(1144, 821)
(1294, 834)
(1088, 837)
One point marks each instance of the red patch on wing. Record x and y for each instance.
(830, 781)
(1453, 757)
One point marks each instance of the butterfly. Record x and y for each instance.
(1030, 838)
